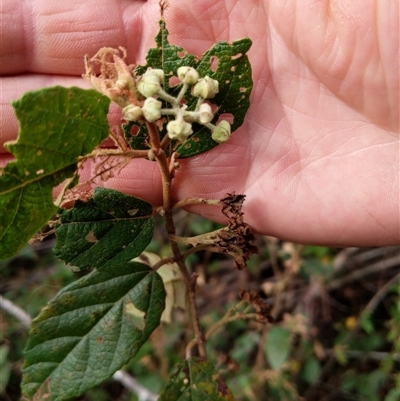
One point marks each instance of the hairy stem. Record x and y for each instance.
(190, 282)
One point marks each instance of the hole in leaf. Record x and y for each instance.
(181, 54)
(227, 81)
(214, 60)
(233, 68)
(227, 117)
(236, 56)
(134, 130)
(174, 81)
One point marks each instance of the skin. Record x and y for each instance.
(318, 153)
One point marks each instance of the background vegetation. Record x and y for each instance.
(336, 334)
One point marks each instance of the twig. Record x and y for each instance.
(170, 227)
(196, 201)
(358, 274)
(134, 386)
(375, 355)
(372, 304)
(16, 311)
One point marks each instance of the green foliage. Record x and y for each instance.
(57, 126)
(94, 325)
(277, 346)
(106, 231)
(196, 380)
(5, 367)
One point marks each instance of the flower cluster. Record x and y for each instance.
(119, 83)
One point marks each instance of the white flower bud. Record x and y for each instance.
(150, 83)
(205, 113)
(152, 109)
(158, 72)
(132, 112)
(179, 129)
(221, 132)
(206, 88)
(188, 75)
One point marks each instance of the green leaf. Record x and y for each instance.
(5, 367)
(108, 230)
(57, 125)
(233, 72)
(277, 346)
(88, 331)
(196, 380)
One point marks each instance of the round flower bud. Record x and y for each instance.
(179, 129)
(205, 113)
(152, 109)
(188, 75)
(206, 88)
(158, 72)
(221, 132)
(150, 83)
(132, 112)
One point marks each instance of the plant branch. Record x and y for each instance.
(132, 154)
(16, 311)
(231, 315)
(196, 201)
(130, 383)
(372, 304)
(190, 283)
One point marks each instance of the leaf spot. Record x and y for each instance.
(132, 212)
(136, 315)
(90, 237)
(242, 89)
(99, 340)
(181, 54)
(41, 171)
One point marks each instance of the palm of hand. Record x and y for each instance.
(320, 129)
(317, 147)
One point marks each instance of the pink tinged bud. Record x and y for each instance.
(188, 75)
(132, 113)
(205, 113)
(125, 78)
(179, 129)
(152, 109)
(206, 88)
(221, 132)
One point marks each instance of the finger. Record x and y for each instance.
(52, 37)
(14, 87)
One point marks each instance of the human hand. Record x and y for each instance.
(317, 155)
